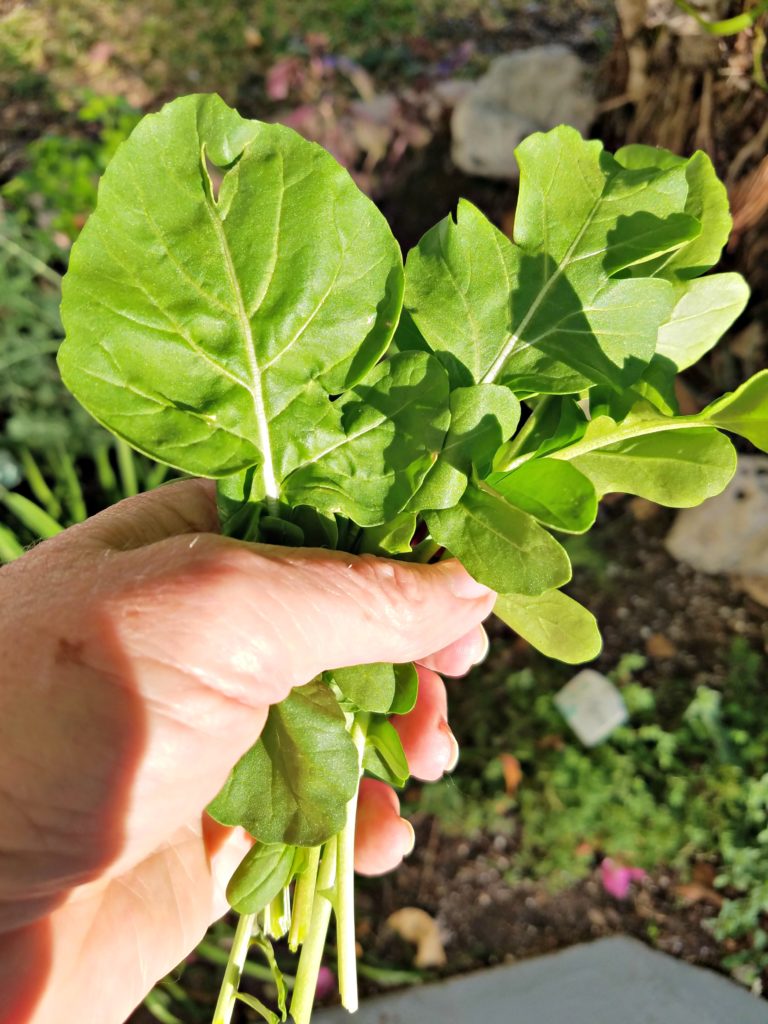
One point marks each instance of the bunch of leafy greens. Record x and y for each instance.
(237, 308)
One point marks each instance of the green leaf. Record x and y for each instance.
(703, 312)
(372, 448)
(380, 688)
(500, 545)
(199, 324)
(482, 417)
(553, 623)
(680, 468)
(304, 769)
(555, 421)
(706, 201)
(391, 538)
(552, 491)
(406, 690)
(261, 1008)
(384, 757)
(368, 687)
(743, 411)
(262, 942)
(543, 315)
(260, 876)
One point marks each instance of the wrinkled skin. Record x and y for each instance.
(139, 653)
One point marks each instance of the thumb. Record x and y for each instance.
(255, 620)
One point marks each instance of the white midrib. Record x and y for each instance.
(256, 390)
(500, 361)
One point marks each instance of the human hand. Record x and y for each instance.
(139, 654)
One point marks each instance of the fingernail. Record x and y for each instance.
(483, 653)
(453, 746)
(411, 841)
(463, 585)
(454, 758)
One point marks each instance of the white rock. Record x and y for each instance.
(532, 90)
(728, 533)
(592, 706)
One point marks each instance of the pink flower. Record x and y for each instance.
(617, 879)
(326, 983)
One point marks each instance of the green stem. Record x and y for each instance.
(127, 469)
(727, 26)
(104, 471)
(303, 899)
(37, 483)
(345, 887)
(37, 264)
(312, 951)
(511, 448)
(228, 994)
(74, 492)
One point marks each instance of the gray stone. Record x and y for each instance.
(533, 90)
(612, 981)
(728, 533)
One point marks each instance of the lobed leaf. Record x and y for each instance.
(547, 314)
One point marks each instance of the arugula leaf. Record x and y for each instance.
(704, 310)
(393, 423)
(482, 417)
(500, 545)
(558, 322)
(554, 492)
(376, 687)
(298, 803)
(679, 468)
(264, 871)
(406, 690)
(706, 201)
(743, 411)
(384, 757)
(196, 335)
(553, 623)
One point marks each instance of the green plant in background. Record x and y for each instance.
(58, 186)
(235, 326)
(48, 445)
(658, 792)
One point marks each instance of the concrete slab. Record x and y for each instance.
(612, 981)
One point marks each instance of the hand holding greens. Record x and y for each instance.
(238, 309)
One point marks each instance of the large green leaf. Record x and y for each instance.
(680, 468)
(553, 623)
(543, 315)
(552, 491)
(500, 545)
(293, 785)
(197, 323)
